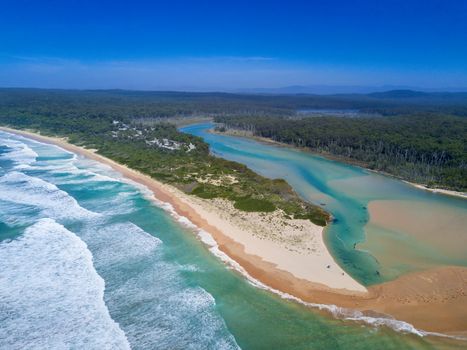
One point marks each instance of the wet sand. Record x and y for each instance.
(439, 190)
(416, 218)
(443, 232)
(433, 300)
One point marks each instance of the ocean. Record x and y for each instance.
(90, 260)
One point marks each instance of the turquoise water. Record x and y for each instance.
(89, 261)
(345, 191)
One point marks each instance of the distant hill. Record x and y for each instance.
(320, 89)
(155, 104)
(418, 94)
(345, 89)
(399, 94)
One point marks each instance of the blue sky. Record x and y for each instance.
(225, 45)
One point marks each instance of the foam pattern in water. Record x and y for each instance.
(19, 153)
(50, 294)
(21, 189)
(62, 269)
(148, 296)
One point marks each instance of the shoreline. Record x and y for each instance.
(398, 298)
(233, 237)
(341, 159)
(438, 190)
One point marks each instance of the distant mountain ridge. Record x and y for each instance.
(167, 103)
(350, 89)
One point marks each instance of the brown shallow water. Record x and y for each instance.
(415, 234)
(433, 300)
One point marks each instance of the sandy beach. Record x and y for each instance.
(439, 190)
(290, 256)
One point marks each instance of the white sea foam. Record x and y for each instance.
(120, 202)
(95, 171)
(72, 171)
(51, 297)
(18, 152)
(336, 311)
(45, 149)
(119, 242)
(153, 304)
(60, 160)
(77, 174)
(21, 189)
(146, 294)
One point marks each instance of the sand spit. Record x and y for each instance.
(290, 256)
(439, 190)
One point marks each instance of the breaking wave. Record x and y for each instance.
(50, 294)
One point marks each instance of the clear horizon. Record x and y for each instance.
(209, 46)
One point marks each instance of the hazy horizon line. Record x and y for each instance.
(282, 90)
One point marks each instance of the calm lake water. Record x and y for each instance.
(90, 262)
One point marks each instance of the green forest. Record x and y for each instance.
(158, 150)
(417, 136)
(159, 104)
(427, 148)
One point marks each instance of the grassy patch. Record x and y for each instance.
(204, 192)
(254, 205)
(317, 218)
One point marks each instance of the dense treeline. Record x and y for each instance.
(422, 136)
(138, 104)
(159, 150)
(430, 149)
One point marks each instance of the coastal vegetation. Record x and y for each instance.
(423, 148)
(416, 136)
(162, 152)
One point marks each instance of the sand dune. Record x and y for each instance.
(290, 256)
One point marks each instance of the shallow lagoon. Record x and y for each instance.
(163, 287)
(346, 192)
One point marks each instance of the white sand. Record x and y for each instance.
(294, 246)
